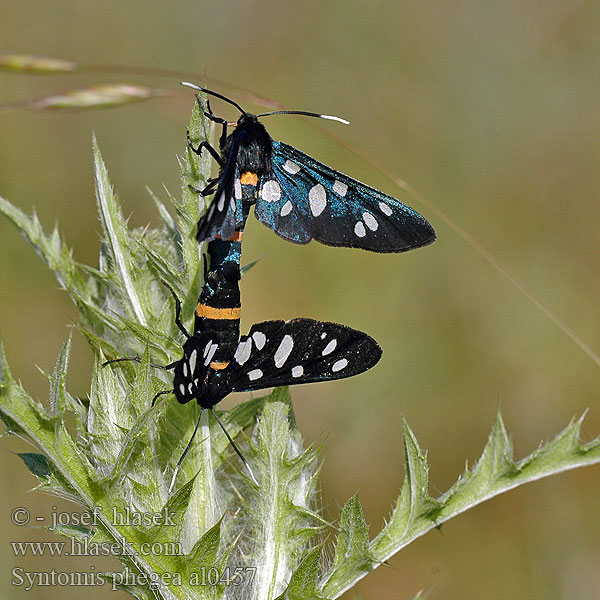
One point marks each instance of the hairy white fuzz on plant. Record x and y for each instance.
(283, 520)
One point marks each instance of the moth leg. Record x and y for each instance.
(201, 145)
(177, 313)
(160, 394)
(187, 449)
(208, 113)
(208, 190)
(212, 117)
(234, 446)
(137, 359)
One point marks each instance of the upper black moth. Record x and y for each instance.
(298, 197)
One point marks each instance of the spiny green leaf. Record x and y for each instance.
(57, 257)
(417, 499)
(206, 504)
(416, 512)
(303, 584)
(194, 175)
(496, 460)
(169, 223)
(115, 231)
(175, 508)
(205, 551)
(161, 266)
(352, 548)
(5, 376)
(57, 380)
(37, 463)
(280, 515)
(76, 532)
(108, 418)
(250, 265)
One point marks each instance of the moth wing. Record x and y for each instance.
(192, 369)
(277, 353)
(317, 202)
(225, 211)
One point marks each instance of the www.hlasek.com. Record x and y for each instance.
(86, 548)
(205, 576)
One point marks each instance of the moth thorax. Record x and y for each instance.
(255, 146)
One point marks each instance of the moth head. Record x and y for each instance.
(247, 120)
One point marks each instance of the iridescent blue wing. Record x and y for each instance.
(277, 353)
(224, 214)
(304, 199)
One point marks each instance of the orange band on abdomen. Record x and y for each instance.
(236, 237)
(209, 312)
(249, 178)
(218, 366)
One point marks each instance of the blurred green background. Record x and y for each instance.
(491, 111)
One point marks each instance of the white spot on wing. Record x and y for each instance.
(182, 389)
(207, 348)
(291, 167)
(286, 209)
(323, 335)
(329, 348)
(185, 369)
(232, 204)
(270, 192)
(284, 350)
(317, 197)
(210, 354)
(192, 361)
(255, 374)
(370, 220)
(385, 209)
(190, 387)
(221, 202)
(339, 365)
(340, 188)
(359, 229)
(259, 339)
(298, 371)
(242, 354)
(237, 189)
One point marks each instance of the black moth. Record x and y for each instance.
(298, 197)
(274, 353)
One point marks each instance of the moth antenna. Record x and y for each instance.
(237, 450)
(187, 449)
(305, 114)
(215, 94)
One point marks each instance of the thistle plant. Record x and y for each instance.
(217, 535)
